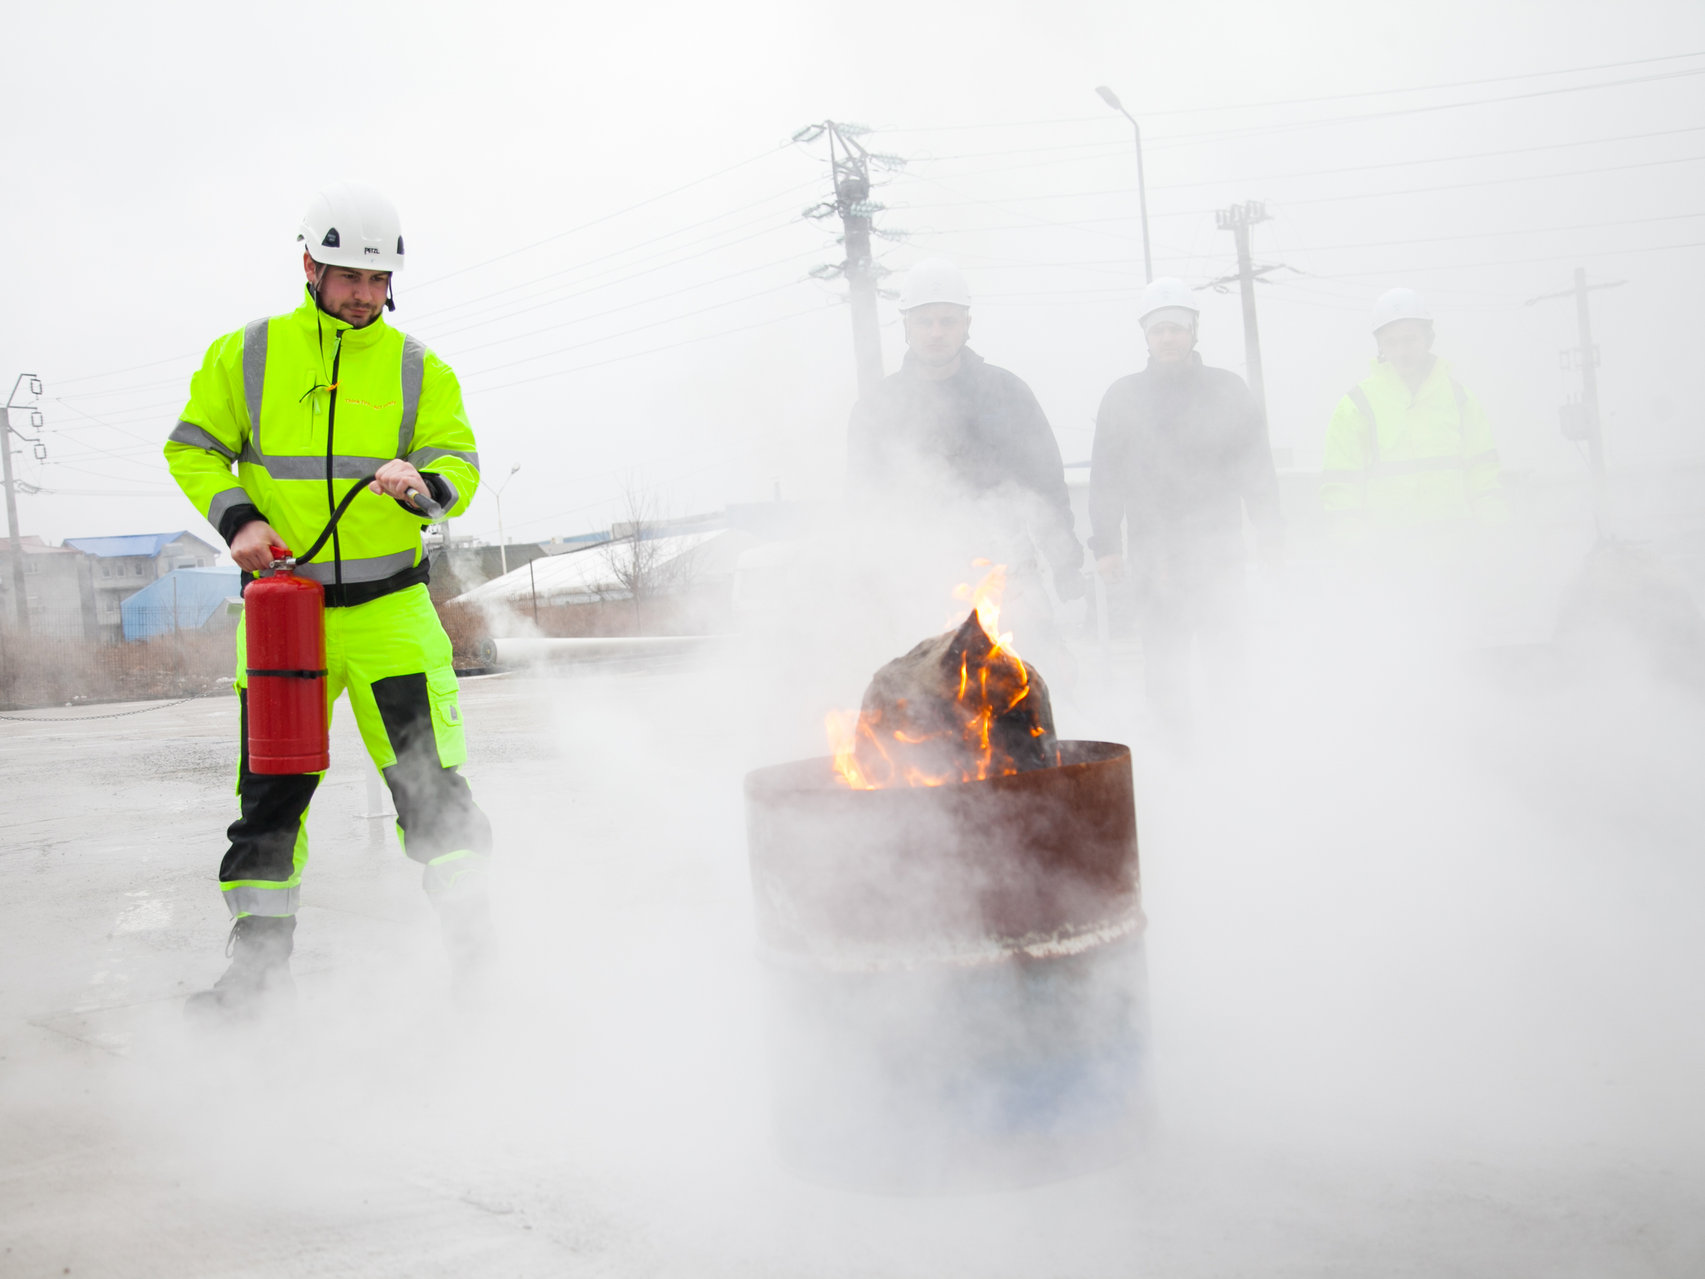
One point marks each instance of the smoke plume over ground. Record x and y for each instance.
(1421, 941)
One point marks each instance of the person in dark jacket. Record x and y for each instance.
(1180, 455)
(954, 452)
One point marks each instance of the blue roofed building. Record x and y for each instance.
(124, 565)
(185, 599)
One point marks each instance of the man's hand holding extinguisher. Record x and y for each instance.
(252, 547)
(400, 480)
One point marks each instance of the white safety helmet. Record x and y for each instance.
(352, 225)
(934, 280)
(1399, 304)
(1168, 298)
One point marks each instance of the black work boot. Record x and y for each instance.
(259, 975)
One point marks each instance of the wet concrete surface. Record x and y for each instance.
(1416, 1010)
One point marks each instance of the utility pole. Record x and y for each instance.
(1112, 100)
(1580, 419)
(850, 166)
(20, 598)
(1238, 219)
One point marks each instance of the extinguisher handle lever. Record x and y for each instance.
(281, 557)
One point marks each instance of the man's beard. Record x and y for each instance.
(362, 320)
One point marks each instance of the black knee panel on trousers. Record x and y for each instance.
(435, 808)
(263, 838)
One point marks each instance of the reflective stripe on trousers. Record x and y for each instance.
(254, 899)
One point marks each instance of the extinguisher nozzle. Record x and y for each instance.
(425, 505)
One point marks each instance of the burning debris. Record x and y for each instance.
(960, 707)
(954, 973)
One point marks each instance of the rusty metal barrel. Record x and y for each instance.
(955, 973)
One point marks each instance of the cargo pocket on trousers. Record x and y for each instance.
(441, 691)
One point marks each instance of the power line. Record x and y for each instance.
(1499, 181)
(598, 221)
(1132, 290)
(990, 124)
(610, 277)
(769, 225)
(1122, 266)
(1077, 224)
(609, 284)
(629, 306)
(122, 390)
(1360, 195)
(818, 309)
(581, 266)
(638, 328)
(101, 421)
(1110, 148)
(726, 460)
(1384, 164)
(89, 377)
(83, 470)
(1338, 97)
(128, 416)
(415, 318)
(59, 492)
(1489, 235)
(1252, 131)
(1426, 88)
(1550, 257)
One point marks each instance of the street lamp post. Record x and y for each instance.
(497, 497)
(1112, 100)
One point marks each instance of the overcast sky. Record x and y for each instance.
(160, 157)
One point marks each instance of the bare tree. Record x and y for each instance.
(636, 554)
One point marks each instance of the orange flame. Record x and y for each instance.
(978, 706)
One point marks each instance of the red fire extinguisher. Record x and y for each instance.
(284, 623)
(284, 619)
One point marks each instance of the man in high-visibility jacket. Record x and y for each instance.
(1408, 446)
(304, 405)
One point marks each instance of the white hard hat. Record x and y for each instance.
(1399, 304)
(934, 280)
(1168, 293)
(352, 225)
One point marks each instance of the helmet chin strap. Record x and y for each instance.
(320, 278)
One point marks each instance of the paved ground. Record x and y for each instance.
(1424, 961)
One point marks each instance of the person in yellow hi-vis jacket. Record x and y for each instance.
(303, 405)
(1408, 446)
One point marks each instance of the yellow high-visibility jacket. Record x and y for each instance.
(1398, 458)
(304, 405)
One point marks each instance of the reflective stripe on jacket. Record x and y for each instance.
(304, 405)
(1405, 458)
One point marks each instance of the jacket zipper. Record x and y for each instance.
(331, 423)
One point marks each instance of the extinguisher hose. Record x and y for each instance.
(337, 514)
(421, 501)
